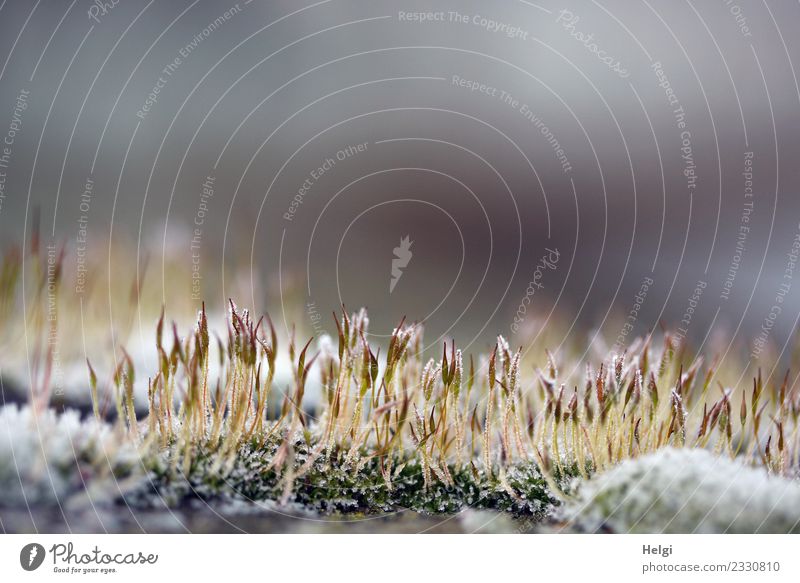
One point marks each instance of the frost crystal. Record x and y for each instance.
(684, 491)
(53, 456)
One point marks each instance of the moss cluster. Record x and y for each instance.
(402, 426)
(334, 485)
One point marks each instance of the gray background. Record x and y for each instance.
(280, 86)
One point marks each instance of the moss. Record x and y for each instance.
(333, 485)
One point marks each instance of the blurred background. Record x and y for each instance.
(516, 168)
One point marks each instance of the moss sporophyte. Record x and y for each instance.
(391, 428)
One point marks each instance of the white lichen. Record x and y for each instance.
(685, 491)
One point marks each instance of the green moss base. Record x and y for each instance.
(333, 485)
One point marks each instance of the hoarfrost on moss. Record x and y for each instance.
(336, 486)
(46, 457)
(686, 490)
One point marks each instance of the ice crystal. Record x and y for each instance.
(48, 457)
(686, 490)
